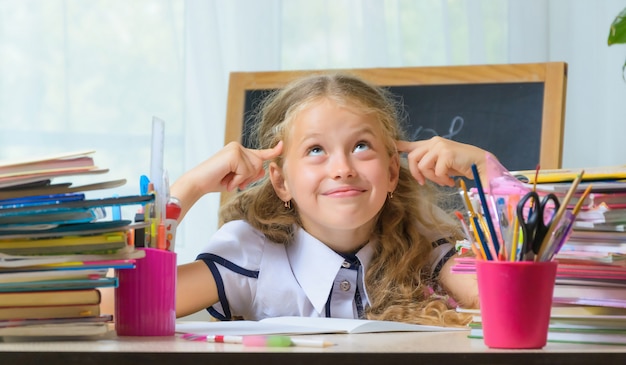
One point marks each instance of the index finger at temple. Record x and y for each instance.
(404, 146)
(270, 153)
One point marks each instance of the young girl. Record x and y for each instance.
(337, 226)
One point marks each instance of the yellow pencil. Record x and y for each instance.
(468, 202)
(582, 198)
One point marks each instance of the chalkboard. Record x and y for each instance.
(515, 111)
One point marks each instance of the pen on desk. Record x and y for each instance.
(258, 341)
(263, 341)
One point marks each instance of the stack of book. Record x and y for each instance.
(57, 247)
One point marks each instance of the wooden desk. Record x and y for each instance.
(357, 349)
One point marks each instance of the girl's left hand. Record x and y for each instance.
(439, 159)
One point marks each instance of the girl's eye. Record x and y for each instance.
(361, 146)
(315, 151)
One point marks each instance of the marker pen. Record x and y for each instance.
(258, 341)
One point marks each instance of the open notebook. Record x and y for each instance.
(303, 325)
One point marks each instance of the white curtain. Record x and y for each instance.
(576, 31)
(91, 74)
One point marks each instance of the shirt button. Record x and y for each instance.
(344, 285)
(345, 265)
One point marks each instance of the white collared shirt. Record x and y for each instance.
(257, 278)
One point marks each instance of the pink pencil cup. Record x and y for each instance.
(145, 299)
(515, 302)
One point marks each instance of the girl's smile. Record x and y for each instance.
(344, 191)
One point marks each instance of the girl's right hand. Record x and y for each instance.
(239, 166)
(234, 166)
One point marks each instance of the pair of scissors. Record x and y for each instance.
(535, 217)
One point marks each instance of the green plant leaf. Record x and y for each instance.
(617, 33)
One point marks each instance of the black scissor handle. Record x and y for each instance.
(529, 221)
(542, 226)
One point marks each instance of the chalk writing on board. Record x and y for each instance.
(422, 133)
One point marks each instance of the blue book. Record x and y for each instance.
(28, 201)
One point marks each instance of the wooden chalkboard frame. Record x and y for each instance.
(553, 75)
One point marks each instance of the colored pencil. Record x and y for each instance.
(486, 213)
(582, 198)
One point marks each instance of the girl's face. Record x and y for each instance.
(337, 171)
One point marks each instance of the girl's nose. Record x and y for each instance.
(341, 167)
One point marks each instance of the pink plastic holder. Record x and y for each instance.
(515, 302)
(145, 300)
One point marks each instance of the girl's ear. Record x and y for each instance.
(278, 182)
(394, 171)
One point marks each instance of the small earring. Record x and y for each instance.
(390, 194)
(287, 204)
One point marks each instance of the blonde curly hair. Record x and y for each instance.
(398, 278)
